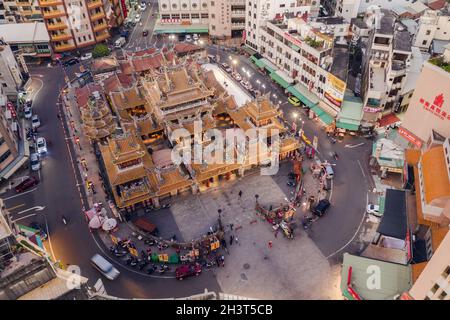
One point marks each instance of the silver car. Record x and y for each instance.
(41, 145)
(34, 161)
(35, 122)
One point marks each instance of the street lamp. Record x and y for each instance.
(234, 62)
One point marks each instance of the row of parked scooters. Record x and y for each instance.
(136, 262)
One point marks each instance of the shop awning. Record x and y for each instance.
(388, 120)
(249, 50)
(351, 114)
(306, 97)
(254, 59)
(268, 65)
(281, 78)
(259, 63)
(178, 28)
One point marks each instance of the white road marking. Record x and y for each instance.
(36, 208)
(354, 145)
(30, 215)
(18, 195)
(49, 241)
(359, 227)
(362, 170)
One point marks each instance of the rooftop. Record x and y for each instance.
(402, 41)
(340, 61)
(387, 22)
(24, 32)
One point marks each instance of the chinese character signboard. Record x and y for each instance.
(335, 90)
(410, 137)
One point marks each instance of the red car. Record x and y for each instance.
(188, 270)
(26, 184)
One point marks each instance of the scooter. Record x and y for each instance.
(142, 264)
(150, 242)
(291, 183)
(336, 157)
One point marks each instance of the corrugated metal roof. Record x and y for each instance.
(24, 32)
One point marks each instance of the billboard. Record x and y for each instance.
(335, 90)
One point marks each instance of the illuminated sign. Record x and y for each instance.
(410, 137)
(335, 90)
(292, 39)
(436, 107)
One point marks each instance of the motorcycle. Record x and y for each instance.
(150, 242)
(142, 264)
(336, 157)
(291, 183)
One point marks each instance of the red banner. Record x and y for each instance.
(410, 137)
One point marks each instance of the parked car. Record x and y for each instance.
(70, 62)
(26, 184)
(28, 113)
(120, 42)
(41, 230)
(143, 6)
(137, 18)
(188, 270)
(34, 161)
(35, 122)
(294, 101)
(86, 56)
(145, 33)
(321, 208)
(41, 145)
(246, 84)
(195, 37)
(188, 38)
(373, 209)
(105, 267)
(237, 76)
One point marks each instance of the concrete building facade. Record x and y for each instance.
(11, 78)
(219, 18)
(75, 24)
(18, 11)
(433, 25)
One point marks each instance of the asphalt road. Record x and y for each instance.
(74, 244)
(57, 192)
(351, 175)
(138, 42)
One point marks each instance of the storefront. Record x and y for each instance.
(269, 66)
(304, 95)
(349, 118)
(281, 78)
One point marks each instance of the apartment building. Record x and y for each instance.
(17, 11)
(30, 40)
(75, 24)
(434, 281)
(433, 26)
(11, 78)
(312, 54)
(218, 18)
(260, 11)
(429, 108)
(385, 65)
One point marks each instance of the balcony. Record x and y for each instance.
(98, 16)
(64, 47)
(61, 37)
(56, 26)
(237, 26)
(238, 13)
(103, 36)
(100, 27)
(53, 14)
(94, 4)
(50, 3)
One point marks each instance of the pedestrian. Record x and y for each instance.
(237, 240)
(231, 240)
(231, 226)
(240, 193)
(270, 244)
(276, 233)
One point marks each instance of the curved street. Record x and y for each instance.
(75, 245)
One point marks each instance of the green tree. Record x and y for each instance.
(100, 50)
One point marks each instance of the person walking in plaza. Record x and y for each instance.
(237, 240)
(231, 240)
(270, 244)
(240, 193)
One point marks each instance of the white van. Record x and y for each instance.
(120, 42)
(106, 268)
(329, 171)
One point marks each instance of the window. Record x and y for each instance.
(204, 4)
(174, 6)
(213, 16)
(194, 5)
(213, 27)
(184, 5)
(428, 32)
(442, 295)
(185, 16)
(282, 5)
(447, 270)
(195, 16)
(212, 4)
(205, 15)
(164, 6)
(5, 155)
(435, 288)
(424, 42)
